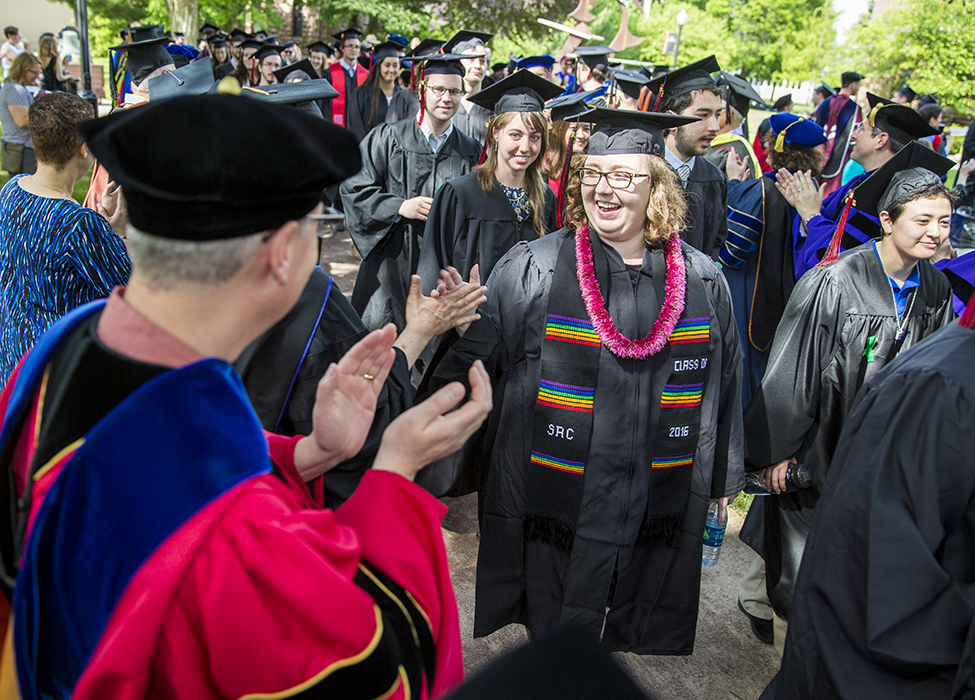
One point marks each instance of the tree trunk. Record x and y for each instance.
(184, 17)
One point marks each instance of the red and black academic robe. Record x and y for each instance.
(166, 555)
(345, 85)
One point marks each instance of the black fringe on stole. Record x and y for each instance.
(659, 530)
(553, 531)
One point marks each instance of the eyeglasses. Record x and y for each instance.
(330, 222)
(618, 179)
(441, 91)
(858, 127)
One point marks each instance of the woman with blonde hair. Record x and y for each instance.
(15, 100)
(54, 75)
(476, 218)
(617, 420)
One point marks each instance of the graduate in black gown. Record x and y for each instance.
(691, 91)
(844, 321)
(476, 218)
(883, 607)
(388, 201)
(371, 100)
(617, 413)
(472, 116)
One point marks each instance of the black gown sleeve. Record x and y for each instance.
(355, 119)
(899, 502)
(729, 450)
(551, 210)
(785, 405)
(444, 226)
(370, 209)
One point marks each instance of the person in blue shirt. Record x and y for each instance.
(55, 255)
(845, 320)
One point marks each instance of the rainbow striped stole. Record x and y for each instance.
(682, 395)
(567, 396)
(571, 330)
(691, 330)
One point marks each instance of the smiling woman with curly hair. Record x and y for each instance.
(614, 351)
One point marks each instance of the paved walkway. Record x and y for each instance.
(727, 663)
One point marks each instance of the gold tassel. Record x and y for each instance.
(229, 86)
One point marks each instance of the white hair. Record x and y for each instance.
(166, 263)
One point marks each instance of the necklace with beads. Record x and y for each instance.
(675, 289)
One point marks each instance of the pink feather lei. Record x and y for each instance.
(673, 306)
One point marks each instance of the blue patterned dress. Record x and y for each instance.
(54, 256)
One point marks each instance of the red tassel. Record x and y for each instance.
(833, 251)
(483, 157)
(423, 97)
(563, 183)
(660, 93)
(968, 318)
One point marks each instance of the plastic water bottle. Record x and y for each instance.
(713, 536)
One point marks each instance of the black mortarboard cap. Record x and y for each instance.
(252, 43)
(498, 66)
(595, 56)
(740, 93)
(443, 64)
(465, 39)
(303, 65)
(829, 91)
(291, 93)
(195, 78)
(655, 71)
(218, 40)
(350, 33)
(207, 27)
(140, 34)
(260, 34)
(619, 131)
(385, 50)
(629, 82)
(569, 107)
(693, 76)
(321, 47)
(219, 194)
(145, 57)
(868, 194)
(908, 93)
(237, 33)
(288, 44)
(425, 48)
(783, 102)
(900, 121)
(522, 92)
(928, 99)
(567, 664)
(267, 50)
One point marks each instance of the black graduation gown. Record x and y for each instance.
(282, 368)
(817, 363)
(468, 225)
(654, 608)
(404, 105)
(350, 87)
(359, 112)
(707, 203)
(885, 603)
(397, 164)
(473, 122)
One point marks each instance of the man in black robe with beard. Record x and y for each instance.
(691, 91)
(388, 202)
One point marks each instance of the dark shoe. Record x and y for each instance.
(762, 629)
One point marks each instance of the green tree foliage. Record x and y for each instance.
(778, 39)
(926, 43)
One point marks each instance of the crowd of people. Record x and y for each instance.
(586, 295)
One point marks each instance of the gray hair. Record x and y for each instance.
(166, 263)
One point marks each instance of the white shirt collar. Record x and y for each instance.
(440, 140)
(676, 162)
(346, 67)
